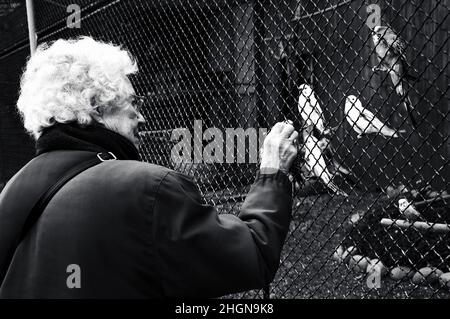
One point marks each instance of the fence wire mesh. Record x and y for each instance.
(248, 64)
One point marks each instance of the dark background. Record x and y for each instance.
(220, 61)
(217, 61)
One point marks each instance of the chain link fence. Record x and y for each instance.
(364, 160)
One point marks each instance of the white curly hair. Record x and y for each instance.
(67, 80)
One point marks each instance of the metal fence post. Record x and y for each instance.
(31, 26)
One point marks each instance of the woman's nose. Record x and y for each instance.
(141, 118)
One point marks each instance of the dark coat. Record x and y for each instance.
(136, 230)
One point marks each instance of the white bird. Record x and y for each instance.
(408, 210)
(363, 121)
(310, 109)
(315, 163)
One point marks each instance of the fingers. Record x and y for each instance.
(293, 136)
(277, 128)
(288, 128)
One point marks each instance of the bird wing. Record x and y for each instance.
(319, 168)
(321, 171)
(305, 108)
(374, 121)
(349, 119)
(367, 122)
(399, 46)
(367, 115)
(352, 118)
(394, 42)
(308, 150)
(319, 122)
(312, 153)
(302, 100)
(315, 104)
(374, 124)
(313, 112)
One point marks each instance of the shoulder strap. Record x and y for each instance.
(45, 198)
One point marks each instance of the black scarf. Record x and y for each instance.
(94, 138)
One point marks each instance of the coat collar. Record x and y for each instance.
(94, 138)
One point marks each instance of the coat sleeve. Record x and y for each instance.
(205, 254)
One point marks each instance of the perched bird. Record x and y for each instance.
(390, 51)
(408, 210)
(363, 121)
(310, 109)
(315, 163)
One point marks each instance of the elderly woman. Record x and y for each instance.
(116, 227)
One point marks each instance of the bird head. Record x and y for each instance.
(387, 34)
(403, 204)
(381, 32)
(305, 90)
(350, 103)
(377, 34)
(306, 95)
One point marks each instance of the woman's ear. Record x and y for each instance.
(97, 116)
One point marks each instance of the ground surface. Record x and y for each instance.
(320, 224)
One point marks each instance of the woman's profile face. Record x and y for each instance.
(125, 119)
(128, 120)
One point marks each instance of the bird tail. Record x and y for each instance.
(396, 134)
(331, 185)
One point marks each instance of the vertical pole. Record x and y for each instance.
(31, 27)
(260, 63)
